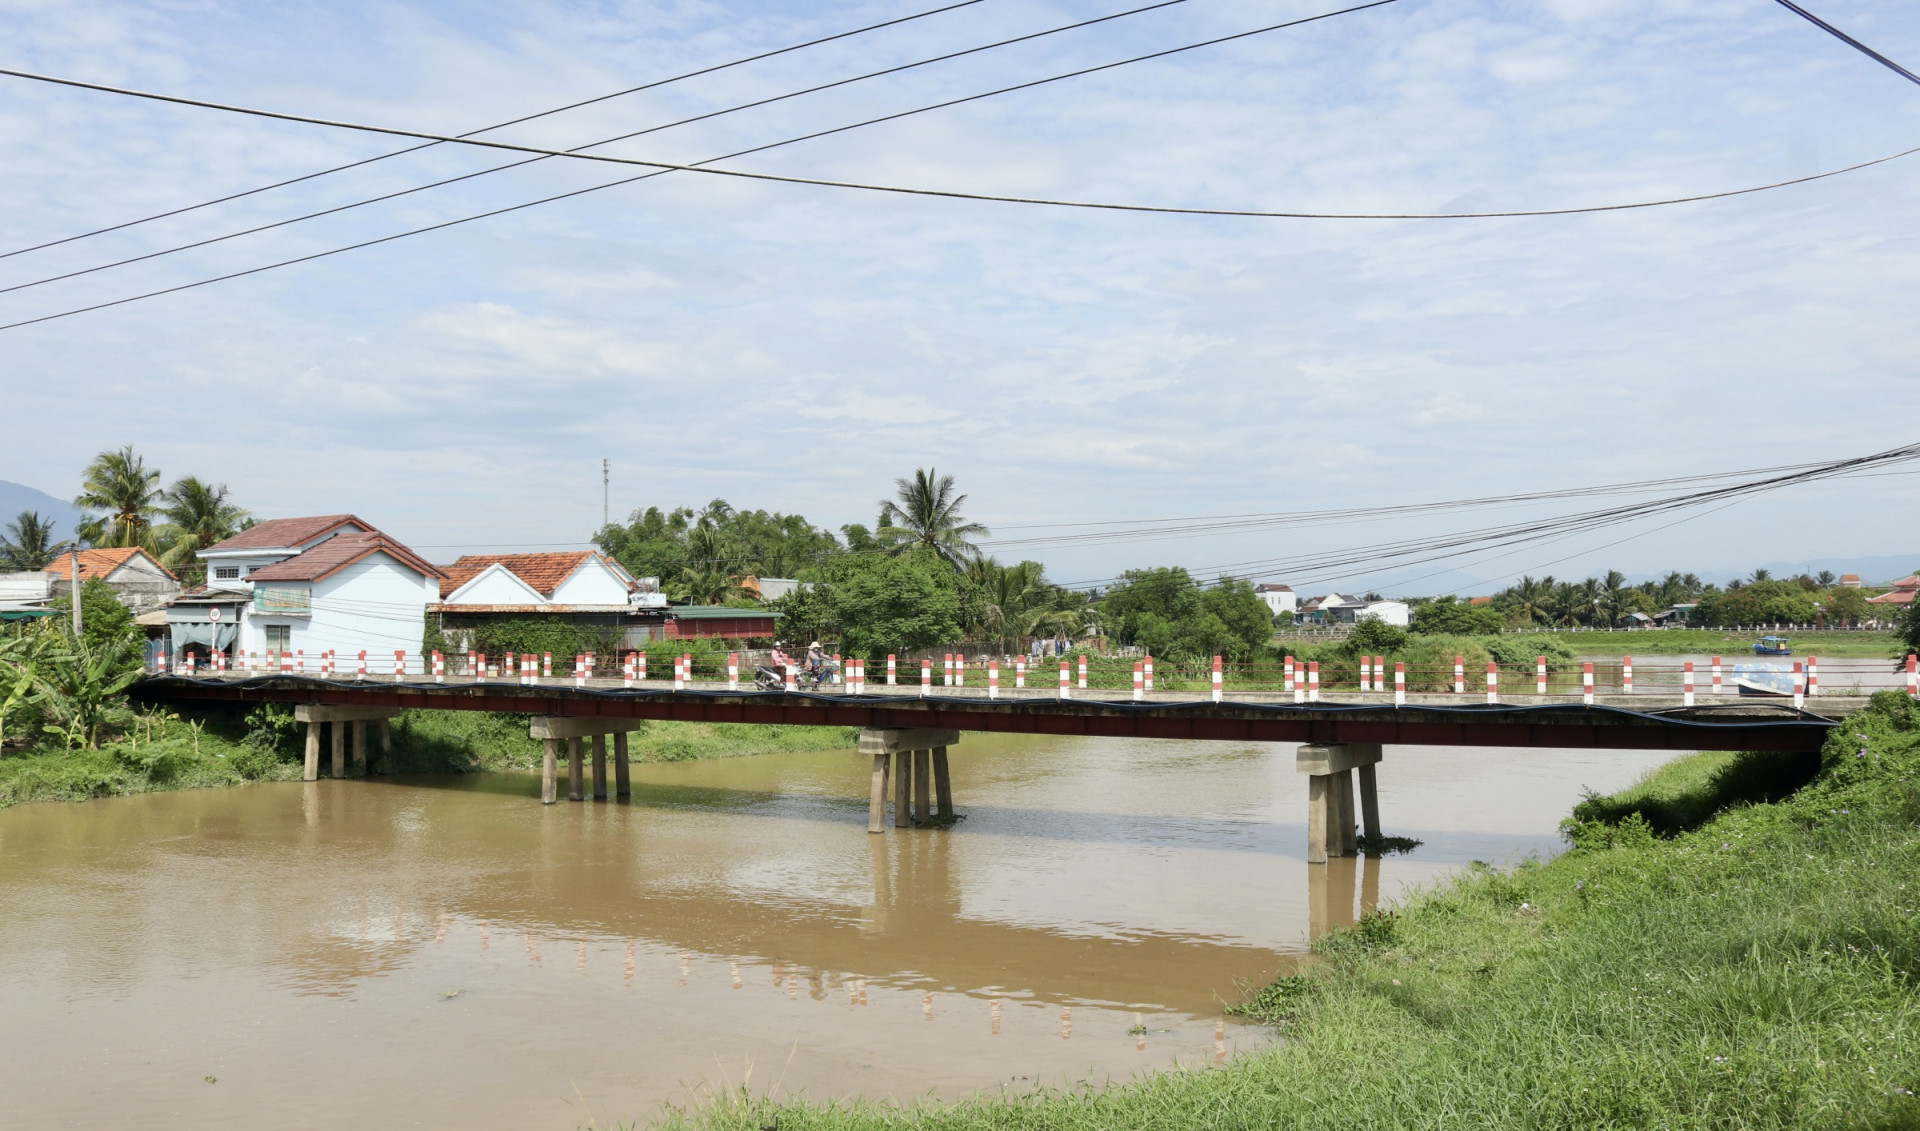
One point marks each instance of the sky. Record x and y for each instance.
(797, 348)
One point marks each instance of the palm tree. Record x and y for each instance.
(1612, 599)
(29, 543)
(119, 484)
(1010, 596)
(198, 515)
(925, 513)
(1762, 575)
(1532, 599)
(1588, 593)
(705, 587)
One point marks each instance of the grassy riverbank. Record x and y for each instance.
(1714, 641)
(164, 751)
(1757, 969)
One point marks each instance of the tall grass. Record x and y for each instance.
(1758, 971)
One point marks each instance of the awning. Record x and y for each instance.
(203, 633)
(28, 614)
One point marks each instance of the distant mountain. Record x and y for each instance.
(17, 497)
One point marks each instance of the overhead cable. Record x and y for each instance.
(655, 84)
(757, 103)
(1850, 41)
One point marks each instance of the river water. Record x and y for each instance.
(448, 952)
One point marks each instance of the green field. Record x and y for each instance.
(1757, 969)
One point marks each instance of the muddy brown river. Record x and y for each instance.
(440, 952)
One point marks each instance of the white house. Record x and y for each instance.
(1280, 599)
(1336, 609)
(135, 576)
(310, 585)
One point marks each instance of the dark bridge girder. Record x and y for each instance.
(1734, 726)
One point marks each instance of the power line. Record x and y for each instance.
(951, 55)
(660, 168)
(498, 126)
(1850, 41)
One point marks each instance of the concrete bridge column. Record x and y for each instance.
(1330, 809)
(914, 761)
(551, 730)
(340, 719)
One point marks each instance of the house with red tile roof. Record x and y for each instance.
(308, 586)
(580, 587)
(1902, 593)
(137, 578)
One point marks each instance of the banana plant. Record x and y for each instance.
(85, 683)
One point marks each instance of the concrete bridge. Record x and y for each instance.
(909, 730)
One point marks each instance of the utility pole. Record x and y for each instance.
(74, 561)
(606, 488)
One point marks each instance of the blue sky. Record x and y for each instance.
(797, 348)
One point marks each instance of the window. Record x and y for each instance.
(226, 573)
(279, 637)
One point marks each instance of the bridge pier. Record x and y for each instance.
(341, 718)
(913, 760)
(552, 730)
(1330, 787)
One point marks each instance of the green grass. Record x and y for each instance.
(161, 750)
(1714, 641)
(1757, 971)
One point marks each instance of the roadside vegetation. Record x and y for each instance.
(1713, 951)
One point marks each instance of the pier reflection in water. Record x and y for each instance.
(444, 952)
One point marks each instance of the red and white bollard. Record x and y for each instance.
(589, 665)
(1313, 681)
(1913, 676)
(890, 680)
(1626, 675)
(857, 671)
(1716, 675)
(439, 667)
(1366, 674)
(793, 684)
(626, 671)
(1019, 672)
(733, 671)
(399, 665)
(1139, 681)
(680, 673)
(993, 679)
(640, 667)
(946, 669)
(1686, 684)
(1219, 677)
(1799, 686)
(360, 671)
(300, 661)
(1459, 675)
(579, 670)
(1399, 683)
(1493, 682)
(1813, 675)
(1082, 684)
(1539, 675)
(1148, 667)
(1286, 671)
(1586, 682)
(546, 665)
(1379, 673)
(959, 669)
(516, 668)
(1065, 693)
(926, 678)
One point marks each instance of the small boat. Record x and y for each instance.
(1772, 646)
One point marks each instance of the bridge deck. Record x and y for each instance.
(1640, 721)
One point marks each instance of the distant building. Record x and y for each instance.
(308, 585)
(581, 587)
(1479, 602)
(140, 581)
(1281, 599)
(1902, 593)
(1849, 581)
(1336, 609)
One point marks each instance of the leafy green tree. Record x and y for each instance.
(1373, 636)
(875, 604)
(1453, 617)
(29, 543)
(198, 515)
(1166, 612)
(1845, 606)
(925, 514)
(1907, 629)
(103, 618)
(120, 484)
(85, 682)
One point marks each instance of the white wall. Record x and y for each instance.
(1397, 613)
(496, 585)
(592, 584)
(376, 604)
(1287, 602)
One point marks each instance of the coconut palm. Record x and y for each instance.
(1533, 600)
(119, 484)
(1612, 600)
(925, 513)
(198, 515)
(29, 543)
(1010, 596)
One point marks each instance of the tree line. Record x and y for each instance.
(126, 505)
